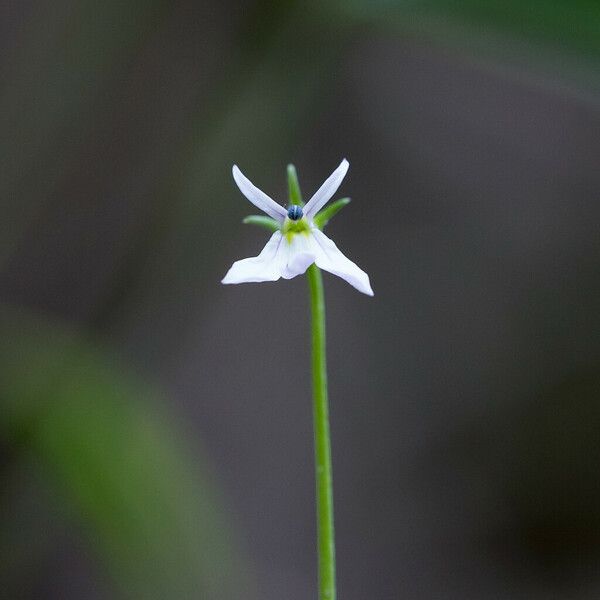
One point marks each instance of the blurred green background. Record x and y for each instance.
(155, 426)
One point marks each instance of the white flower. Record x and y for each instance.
(299, 243)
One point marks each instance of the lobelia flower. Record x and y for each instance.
(298, 243)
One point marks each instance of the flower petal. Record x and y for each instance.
(296, 255)
(264, 267)
(329, 258)
(326, 191)
(258, 197)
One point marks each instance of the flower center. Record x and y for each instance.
(295, 212)
(291, 228)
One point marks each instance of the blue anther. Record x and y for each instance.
(295, 212)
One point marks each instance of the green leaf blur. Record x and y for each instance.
(107, 448)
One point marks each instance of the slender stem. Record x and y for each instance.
(325, 530)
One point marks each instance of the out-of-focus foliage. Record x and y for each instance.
(564, 34)
(562, 24)
(108, 448)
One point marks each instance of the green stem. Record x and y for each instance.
(325, 530)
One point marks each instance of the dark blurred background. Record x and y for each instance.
(155, 426)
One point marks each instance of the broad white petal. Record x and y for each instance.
(258, 197)
(329, 258)
(328, 189)
(296, 255)
(264, 267)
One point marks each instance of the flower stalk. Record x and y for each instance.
(322, 435)
(324, 482)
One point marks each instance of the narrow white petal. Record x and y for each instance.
(264, 267)
(296, 255)
(258, 197)
(329, 258)
(326, 191)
